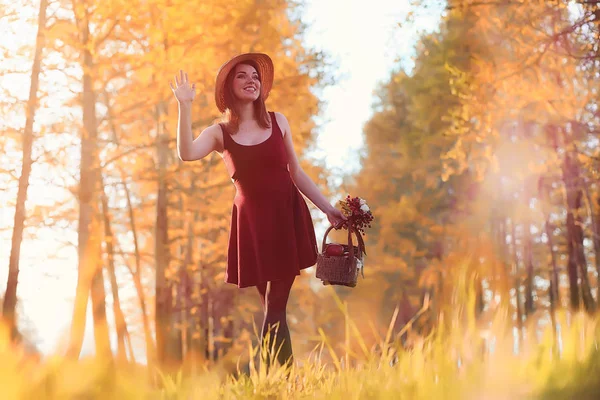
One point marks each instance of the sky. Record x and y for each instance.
(364, 40)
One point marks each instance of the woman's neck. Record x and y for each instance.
(246, 112)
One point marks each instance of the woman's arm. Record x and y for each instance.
(302, 180)
(189, 149)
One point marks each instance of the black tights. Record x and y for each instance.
(274, 296)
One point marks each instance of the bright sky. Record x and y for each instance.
(367, 41)
(364, 39)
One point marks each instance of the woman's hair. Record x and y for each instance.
(232, 116)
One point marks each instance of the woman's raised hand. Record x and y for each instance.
(183, 91)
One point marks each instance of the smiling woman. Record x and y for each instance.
(271, 237)
(248, 77)
(243, 85)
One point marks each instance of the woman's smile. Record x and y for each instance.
(246, 83)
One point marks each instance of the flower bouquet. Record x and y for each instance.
(358, 213)
(339, 264)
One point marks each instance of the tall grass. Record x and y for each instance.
(460, 362)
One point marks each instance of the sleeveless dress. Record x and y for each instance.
(272, 236)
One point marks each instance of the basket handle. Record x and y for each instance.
(361, 244)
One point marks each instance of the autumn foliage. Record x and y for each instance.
(481, 167)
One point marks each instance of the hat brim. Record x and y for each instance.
(265, 71)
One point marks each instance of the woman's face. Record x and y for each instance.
(246, 84)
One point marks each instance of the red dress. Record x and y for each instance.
(272, 235)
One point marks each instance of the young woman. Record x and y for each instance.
(272, 236)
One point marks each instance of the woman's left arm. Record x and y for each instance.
(302, 180)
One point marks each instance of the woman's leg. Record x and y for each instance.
(262, 291)
(274, 297)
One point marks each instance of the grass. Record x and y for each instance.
(449, 364)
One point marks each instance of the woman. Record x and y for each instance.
(272, 236)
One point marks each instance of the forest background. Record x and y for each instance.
(478, 157)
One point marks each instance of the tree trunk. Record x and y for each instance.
(89, 226)
(137, 280)
(191, 324)
(109, 239)
(528, 260)
(594, 210)
(120, 320)
(576, 263)
(586, 287)
(479, 293)
(162, 316)
(98, 292)
(597, 244)
(571, 262)
(554, 293)
(10, 296)
(572, 265)
(517, 282)
(545, 199)
(528, 255)
(503, 267)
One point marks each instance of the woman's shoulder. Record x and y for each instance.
(282, 122)
(217, 132)
(278, 115)
(214, 129)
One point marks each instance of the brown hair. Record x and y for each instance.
(231, 115)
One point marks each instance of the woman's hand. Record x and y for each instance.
(335, 217)
(183, 91)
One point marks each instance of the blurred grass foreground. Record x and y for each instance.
(460, 362)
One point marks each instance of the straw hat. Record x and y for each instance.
(265, 72)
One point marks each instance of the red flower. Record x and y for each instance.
(354, 209)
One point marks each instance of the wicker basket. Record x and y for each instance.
(341, 270)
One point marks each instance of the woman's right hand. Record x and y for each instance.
(183, 91)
